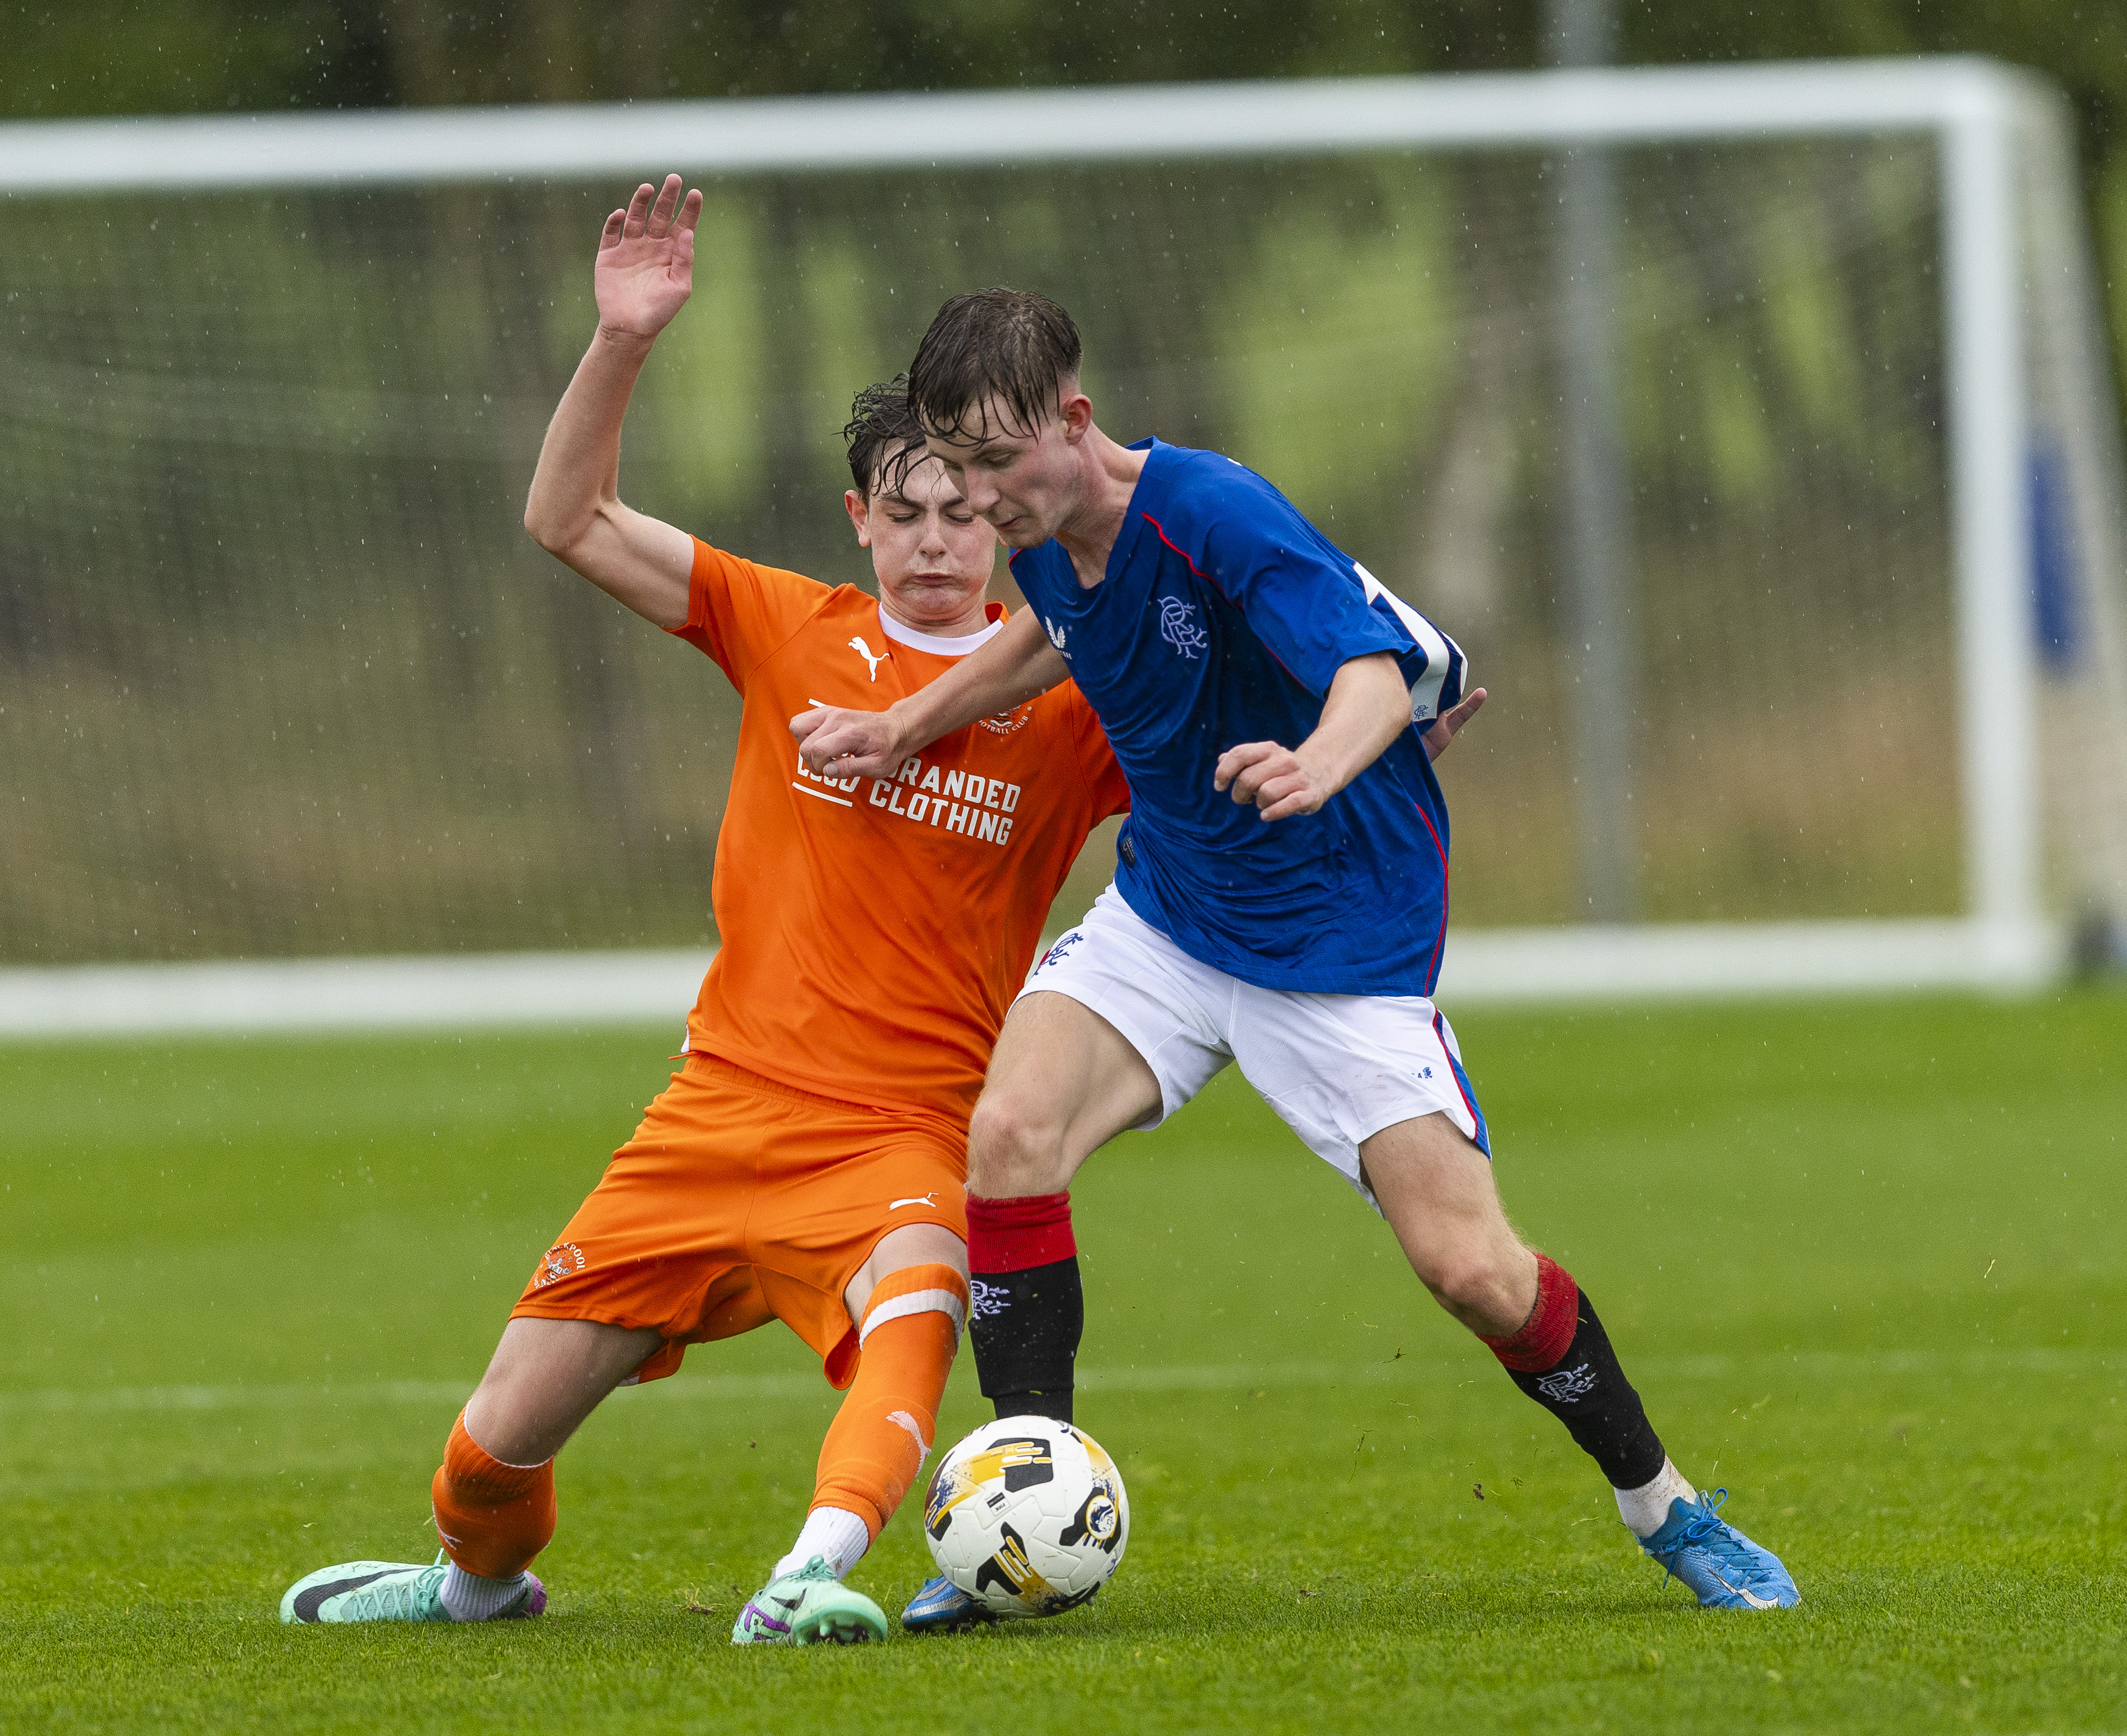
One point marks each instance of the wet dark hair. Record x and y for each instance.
(1014, 346)
(884, 437)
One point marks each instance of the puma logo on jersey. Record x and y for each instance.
(865, 651)
(929, 1200)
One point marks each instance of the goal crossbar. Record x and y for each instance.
(1609, 105)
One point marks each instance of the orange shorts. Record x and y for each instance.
(741, 1201)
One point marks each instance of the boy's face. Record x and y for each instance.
(932, 555)
(1025, 484)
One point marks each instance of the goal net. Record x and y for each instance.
(281, 676)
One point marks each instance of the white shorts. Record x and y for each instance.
(1337, 1068)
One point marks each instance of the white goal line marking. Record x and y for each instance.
(1201, 1378)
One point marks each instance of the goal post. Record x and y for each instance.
(282, 691)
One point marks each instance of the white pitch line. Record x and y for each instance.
(1203, 1378)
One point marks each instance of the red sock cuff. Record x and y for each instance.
(1547, 1334)
(1013, 1235)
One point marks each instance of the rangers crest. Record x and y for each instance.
(1567, 1385)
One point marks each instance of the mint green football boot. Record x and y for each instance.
(387, 1591)
(808, 1607)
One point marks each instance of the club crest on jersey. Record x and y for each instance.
(1176, 627)
(1008, 723)
(1568, 1384)
(564, 1260)
(1056, 635)
(871, 660)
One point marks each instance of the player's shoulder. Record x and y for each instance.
(736, 586)
(801, 601)
(1202, 491)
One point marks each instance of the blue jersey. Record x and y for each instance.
(1222, 619)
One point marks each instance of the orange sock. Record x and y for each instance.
(876, 1445)
(494, 1518)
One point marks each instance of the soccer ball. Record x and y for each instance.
(1027, 1515)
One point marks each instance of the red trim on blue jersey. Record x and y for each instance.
(1432, 964)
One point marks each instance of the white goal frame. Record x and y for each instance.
(1987, 118)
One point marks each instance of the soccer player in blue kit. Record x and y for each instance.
(1280, 900)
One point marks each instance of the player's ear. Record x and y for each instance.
(1074, 412)
(859, 510)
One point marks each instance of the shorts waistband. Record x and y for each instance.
(715, 1067)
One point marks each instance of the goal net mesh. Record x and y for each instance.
(281, 674)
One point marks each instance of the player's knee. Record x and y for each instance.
(1465, 1281)
(1012, 1151)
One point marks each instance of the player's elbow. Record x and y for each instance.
(552, 531)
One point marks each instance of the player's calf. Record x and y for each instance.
(873, 1452)
(1029, 1309)
(1562, 1358)
(494, 1518)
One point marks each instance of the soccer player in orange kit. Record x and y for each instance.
(806, 1163)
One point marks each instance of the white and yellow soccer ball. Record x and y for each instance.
(1028, 1514)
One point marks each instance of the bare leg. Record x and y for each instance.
(545, 1378)
(914, 1244)
(1062, 1082)
(1436, 1190)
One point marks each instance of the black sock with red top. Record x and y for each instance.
(1562, 1358)
(1027, 1311)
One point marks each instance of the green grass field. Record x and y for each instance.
(1863, 1260)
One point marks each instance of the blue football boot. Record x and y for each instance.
(1722, 1567)
(942, 1607)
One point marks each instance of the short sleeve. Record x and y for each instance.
(1096, 761)
(1311, 610)
(740, 613)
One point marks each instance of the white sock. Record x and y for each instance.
(468, 1597)
(836, 1535)
(1645, 1510)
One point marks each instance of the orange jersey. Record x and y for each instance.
(874, 930)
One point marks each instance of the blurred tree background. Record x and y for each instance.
(113, 57)
(280, 674)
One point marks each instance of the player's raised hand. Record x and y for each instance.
(646, 260)
(847, 743)
(1273, 779)
(1446, 727)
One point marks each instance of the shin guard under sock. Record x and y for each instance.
(1029, 1312)
(876, 1445)
(1562, 1358)
(494, 1518)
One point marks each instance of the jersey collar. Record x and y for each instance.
(937, 645)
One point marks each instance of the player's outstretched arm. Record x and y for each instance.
(1010, 669)
(644, 274)
(1368, 708)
